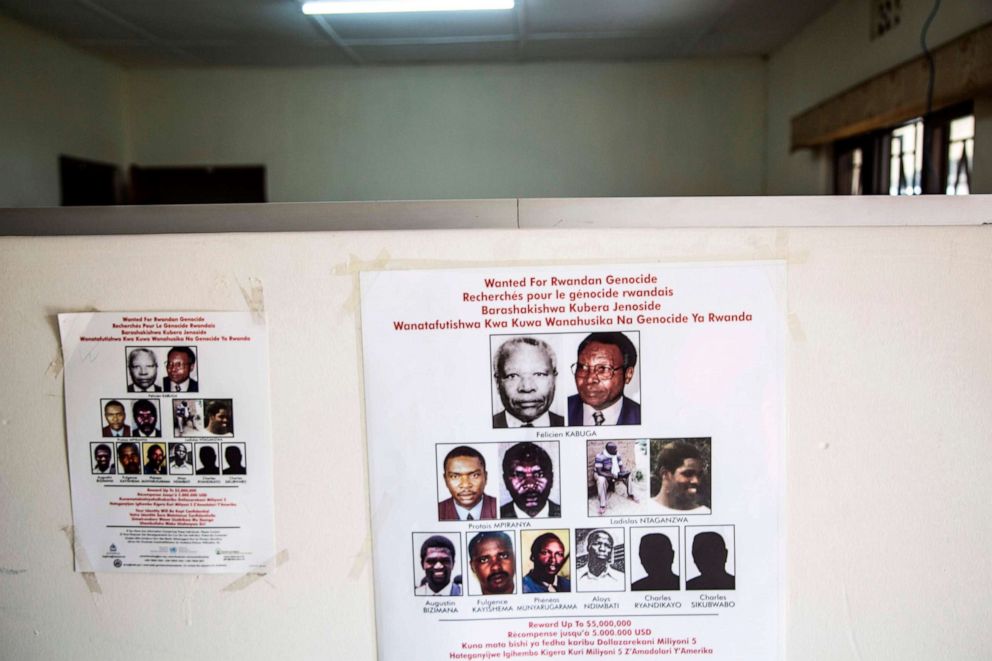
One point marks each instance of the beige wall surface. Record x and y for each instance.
(835, 53)
(53, 100)
(886, 515)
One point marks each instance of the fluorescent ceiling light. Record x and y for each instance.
(400, 6)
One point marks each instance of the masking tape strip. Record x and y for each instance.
(187, 604)
(55, 367)
(282, 557)
(365, 553)
(254, 296)
(82, 560)
(362, 558)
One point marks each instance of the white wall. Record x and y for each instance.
(834, 53)
(683, 128)
(53, 100)
(886, 514)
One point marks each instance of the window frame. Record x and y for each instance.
(875, 149)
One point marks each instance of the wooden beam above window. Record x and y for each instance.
(963, 71)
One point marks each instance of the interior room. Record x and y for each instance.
(704, 281)
(256, 101)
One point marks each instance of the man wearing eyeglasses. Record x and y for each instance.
(528, 475)
(179, 364)
(525, 369)
(549, 557)
(605, 365)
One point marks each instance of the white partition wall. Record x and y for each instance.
(888, 370)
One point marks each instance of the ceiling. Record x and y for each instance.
(152, 33)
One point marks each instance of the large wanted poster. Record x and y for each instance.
(170, 459)
(576, 460)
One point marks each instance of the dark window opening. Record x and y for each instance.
(960, 155)
(931, 155)
(89, 183)
(197, 185)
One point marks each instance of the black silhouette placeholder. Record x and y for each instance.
(657, 557)
(709, 552)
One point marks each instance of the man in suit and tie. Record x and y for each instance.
(605, 365)
(145, 415)
(143, 367)
(465, 476)
(179, 364)
(525, 369)
(528, 475)
(113, 411)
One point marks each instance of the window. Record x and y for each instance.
(960, 155)
(906, 159)
(932, 155)
(847, 171)
(225, 184)
(89, 183)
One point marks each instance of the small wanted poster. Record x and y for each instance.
(576, 460)
(169, 441)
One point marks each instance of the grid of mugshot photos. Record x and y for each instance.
(606, 559)
(135, 428)
(486, 481)
(156, 369)
(645, 477)
(566, 379)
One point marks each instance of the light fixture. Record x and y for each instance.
(400, 6)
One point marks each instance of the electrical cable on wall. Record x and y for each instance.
(929, 55)
(927, 133)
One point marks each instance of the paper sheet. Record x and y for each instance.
(615, 433)
(170, 451)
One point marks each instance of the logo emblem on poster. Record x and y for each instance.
(118, 563)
